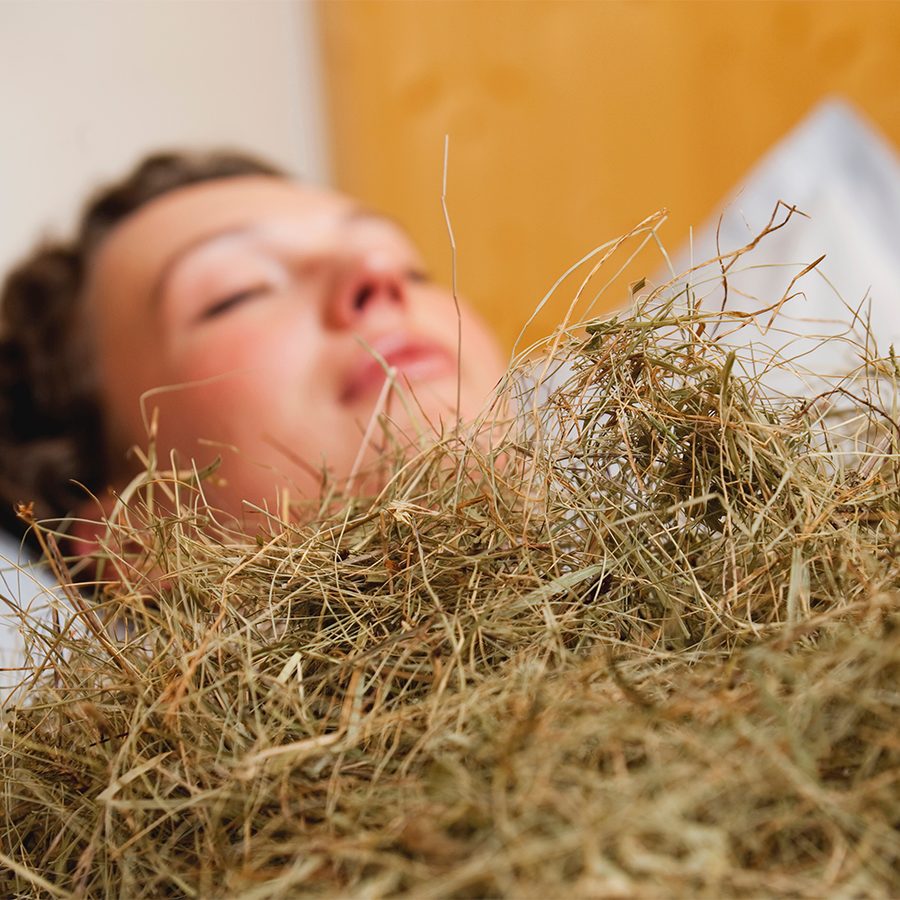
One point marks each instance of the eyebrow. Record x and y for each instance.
(175, 260)
(167, 269)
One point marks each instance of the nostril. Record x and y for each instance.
(366, 292)
(363, 295)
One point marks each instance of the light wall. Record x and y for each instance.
(87, 86)
(569, 122)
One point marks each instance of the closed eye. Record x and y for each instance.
(225, 304)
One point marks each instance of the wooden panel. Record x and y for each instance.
(571, 121)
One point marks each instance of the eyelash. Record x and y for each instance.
(232, 300)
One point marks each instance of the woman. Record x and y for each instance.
(246, 316)
(260, 317)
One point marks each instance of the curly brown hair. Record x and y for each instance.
(51, 422)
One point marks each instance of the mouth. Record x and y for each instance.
(409, 359)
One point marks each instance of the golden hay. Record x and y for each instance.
(642, 642)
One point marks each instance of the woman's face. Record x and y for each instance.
(259, 314)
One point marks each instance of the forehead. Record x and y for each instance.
(140, 245)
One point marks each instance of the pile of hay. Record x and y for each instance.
(643, 641)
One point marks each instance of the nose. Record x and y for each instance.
(363, 288)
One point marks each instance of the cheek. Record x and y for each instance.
(127, 368)
(480, 351)
(261, 343)
(481, 363)
(242, 379)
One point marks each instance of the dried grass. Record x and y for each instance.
(643, 641)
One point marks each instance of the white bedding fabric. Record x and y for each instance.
(840, 172)
(31, 587)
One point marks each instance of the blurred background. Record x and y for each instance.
(569, 122)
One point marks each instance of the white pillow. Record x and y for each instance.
(845, 176)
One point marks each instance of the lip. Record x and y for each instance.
(414, 359)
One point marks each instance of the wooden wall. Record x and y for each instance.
(571, 121)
